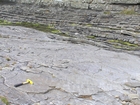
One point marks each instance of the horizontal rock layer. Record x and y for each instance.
(109, 28)
(85, 4)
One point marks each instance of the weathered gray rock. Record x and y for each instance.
(104, 25)
(83, 4)
(126, 1)
(73, 71)
(88, 1)
(63, 73)
(133, 96)
(133, 84)
(1, 103)
(125, 98)
(138, 91)
(136, 102)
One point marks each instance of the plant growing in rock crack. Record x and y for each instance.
(88, 25)
(8, 59)
(4, 22)
(0, 69)
(4, 100)
(124, 43)
(91, 37)
(107, 12)
(128, 12)
(119, 44)
(74, 24)
(41, 27)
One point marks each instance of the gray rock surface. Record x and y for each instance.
(133, 84)
(111, 29)
(63, 73)
(83, 4)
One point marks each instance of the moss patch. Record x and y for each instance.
(119, 44)
(107, 12)
(8, 59)
(88, 25)
(91, 37)
(74, 24)
(37, 26)
(4, 100)
(4, 22)
(0, 69)
(40, 27)
(124, 43)
(128, 12)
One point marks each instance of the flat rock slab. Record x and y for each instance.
(63, 73)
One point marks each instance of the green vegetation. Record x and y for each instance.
(74, 24)
(4, 22)
(107, 12)
(128, 12)
(91, 37)
(8, 59)
(4, 100)
(41, 27)
(124, 43)
(119, 44)
(88, 25)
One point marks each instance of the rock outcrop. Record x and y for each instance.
(77, 69)
(64, 73)
(86, 4)
(114, 30)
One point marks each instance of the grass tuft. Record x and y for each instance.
(41, 27)
(123, 43)
(107, 12)
(119, 44)
(128, 12)
(91, 37)
(4, 100)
